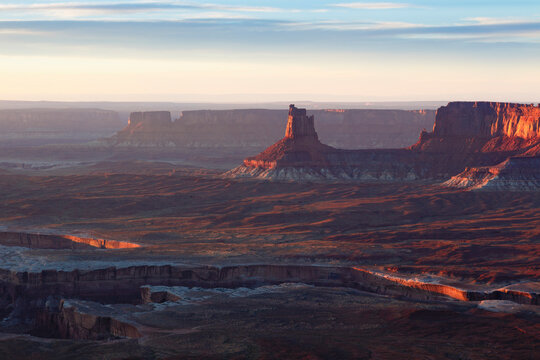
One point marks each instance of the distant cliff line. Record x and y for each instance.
(258, 128)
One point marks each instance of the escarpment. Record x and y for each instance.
(487, 145)
(51, 241)
(488, 120)
(104, 303)
(115, 285)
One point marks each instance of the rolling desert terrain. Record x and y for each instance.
(117, 251)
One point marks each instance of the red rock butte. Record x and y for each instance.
(299, 147)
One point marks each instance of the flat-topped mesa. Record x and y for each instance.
(488, 119)
(150, 117)
(299, 124)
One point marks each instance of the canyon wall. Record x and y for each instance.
(50, 241)
(488, 119)
(115, 285)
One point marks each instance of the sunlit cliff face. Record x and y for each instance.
(44, 241)
(488, 119)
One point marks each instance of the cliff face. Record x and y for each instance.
(300, 125)
(488, 119)
(46, 241)
(156, 118)
(485, 127)
(483, 143)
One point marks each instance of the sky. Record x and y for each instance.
(252, 51)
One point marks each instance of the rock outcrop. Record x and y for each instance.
(482, 127)
(491, 145)
(514, 174)
(82, 320)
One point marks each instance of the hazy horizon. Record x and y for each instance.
(253, 51)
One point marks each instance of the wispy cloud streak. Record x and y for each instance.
(373, 5)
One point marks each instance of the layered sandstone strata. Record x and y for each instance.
(513, 174)
(487, 120)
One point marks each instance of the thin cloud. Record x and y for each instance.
(352, 26)
(115, 7)
(496, 21)
(373, 5)
(23, 32)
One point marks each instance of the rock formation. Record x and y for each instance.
(51, 241)
(301, 156)
(488, 120)
(157, 118)
(520, 173)
(492, 143)
(465, 134)
(256, 129)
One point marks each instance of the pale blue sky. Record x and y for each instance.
(270, 50)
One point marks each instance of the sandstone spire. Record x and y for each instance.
(299, 124)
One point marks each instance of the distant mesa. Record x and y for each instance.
(252, 130)
(466, 135)
(156, 118)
